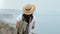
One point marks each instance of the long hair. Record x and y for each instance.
(27, 18)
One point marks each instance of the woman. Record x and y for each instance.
(28, 11)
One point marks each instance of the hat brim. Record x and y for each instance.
(31, 11)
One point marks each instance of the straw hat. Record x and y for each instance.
(29, 9)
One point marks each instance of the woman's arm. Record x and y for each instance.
(16, 24)
(33, 26)
(18, 19)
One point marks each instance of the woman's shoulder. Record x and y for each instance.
(34, 17)
(19, 17)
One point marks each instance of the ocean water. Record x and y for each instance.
(48, 25)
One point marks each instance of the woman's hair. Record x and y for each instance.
(27, 18)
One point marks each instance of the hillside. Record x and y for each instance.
(5, 28)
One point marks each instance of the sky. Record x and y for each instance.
(47, 13)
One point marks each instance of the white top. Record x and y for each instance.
(30, 25)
